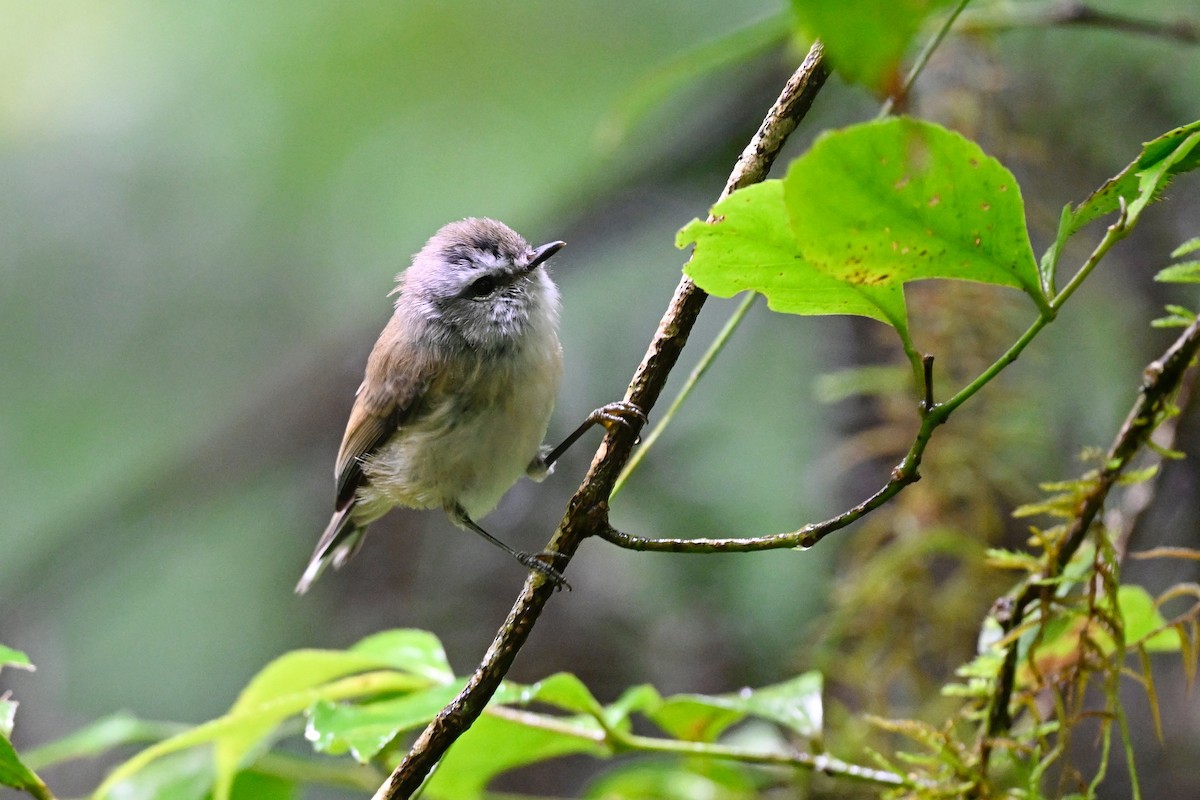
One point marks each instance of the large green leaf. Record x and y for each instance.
(751, 245)
(504, 740)
(883, 203)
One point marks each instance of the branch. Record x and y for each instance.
(1075, 13)
(1160, 381)
(587, 511)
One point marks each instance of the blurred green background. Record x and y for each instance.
(202, 208)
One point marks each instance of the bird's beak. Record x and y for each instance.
(542, 254)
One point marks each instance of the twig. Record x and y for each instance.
(1160, 381)
(1126, 517)
(820, 762)
(618, 740)
(1076, 13)
(900, 97)
(706, 361)
(587, 511)
(927, 371)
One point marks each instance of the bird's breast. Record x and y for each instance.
(482, 422)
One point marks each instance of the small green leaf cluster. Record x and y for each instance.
(1188, 271)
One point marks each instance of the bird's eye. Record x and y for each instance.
(482, 287)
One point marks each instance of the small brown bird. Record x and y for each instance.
(458, 391)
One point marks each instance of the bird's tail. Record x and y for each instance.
(338, 544)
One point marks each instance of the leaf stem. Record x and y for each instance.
(706, 361)
(821, 762)
(922, 59)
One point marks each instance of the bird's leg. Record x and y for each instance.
(621, 413)
(533, 561)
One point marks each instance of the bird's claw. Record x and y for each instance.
(538, 562)
(619, 413)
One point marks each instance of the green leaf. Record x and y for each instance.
(14, 773)
(887, 202)
(795, 704)
(562, 690)
(1012, 559)
(254, 786)
(867, 39)
(1185, 272)
(696, 718)
(505, 739)
(750, 245)
(1134, 476)
(1143, 621)
(1140, 183)
(364, 730)
(674, 778)
(1190, 246)
(1165, 158)
(1173, 321)
(409, 650)
(184, 775)
(638, 699)
(14, 658)
(1161, 159)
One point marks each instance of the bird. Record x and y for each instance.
(458, 392)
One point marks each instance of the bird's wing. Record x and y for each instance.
(391, 394)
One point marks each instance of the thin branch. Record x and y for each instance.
(618, 740)
(1075, 13)
(927, 376)
(1126, 517)
(587, 511)
(1160, 381)
(821, 762)
(921, 60)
